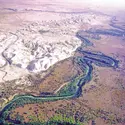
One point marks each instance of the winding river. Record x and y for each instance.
(74, 88)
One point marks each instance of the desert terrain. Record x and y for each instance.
(62, 62)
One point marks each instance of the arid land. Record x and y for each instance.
(38, 44)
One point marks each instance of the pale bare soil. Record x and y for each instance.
(34, 36)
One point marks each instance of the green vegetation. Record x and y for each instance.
(55, 120)
(37, 118)
(69, 89)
